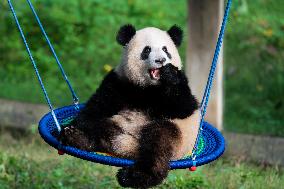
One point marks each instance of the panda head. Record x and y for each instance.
(146, 51)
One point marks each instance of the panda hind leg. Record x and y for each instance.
(95, 136)
(156, 146)
(72, 136)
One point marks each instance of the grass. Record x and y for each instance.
(254, 69)
(27, 162)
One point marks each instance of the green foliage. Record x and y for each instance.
(254, 68)
(83, 34)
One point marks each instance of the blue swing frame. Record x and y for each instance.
(214, 143)
(50, 124)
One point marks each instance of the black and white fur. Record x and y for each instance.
(143, 109)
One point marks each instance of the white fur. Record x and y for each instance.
(136, 69)
(126, 145)
(189, 131)
(132, 122)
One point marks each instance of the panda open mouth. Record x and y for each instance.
(155, 73)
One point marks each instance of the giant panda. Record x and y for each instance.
(143, 109)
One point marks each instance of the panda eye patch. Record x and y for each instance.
(166, 51)
(147, 49)
(145, 53)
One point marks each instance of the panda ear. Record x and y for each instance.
(125, 34)
(176, 34)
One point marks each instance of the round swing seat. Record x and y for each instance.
(211, 144)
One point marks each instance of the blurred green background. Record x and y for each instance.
(83, 34)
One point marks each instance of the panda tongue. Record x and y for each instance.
(155, 73)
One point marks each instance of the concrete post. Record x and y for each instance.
(204, 20)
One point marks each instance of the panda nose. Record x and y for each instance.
(160, 60)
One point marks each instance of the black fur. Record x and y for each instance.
(125, 34)
(176, 34)
(156, 147)
(90, 134)
(145, 53)
(170, 99)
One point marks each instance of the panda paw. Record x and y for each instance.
(71, 136)
(132, 177)
(169, 75)
(173, 81)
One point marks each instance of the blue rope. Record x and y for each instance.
(34, 66)
(75, 98)
(206, 95)
(210, 79)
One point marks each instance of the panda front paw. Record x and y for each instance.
(173, 81)
(169, 75)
